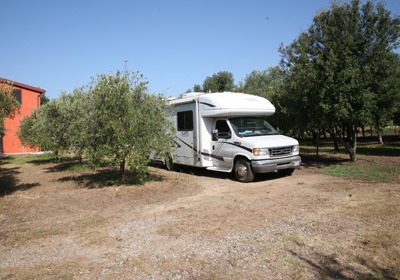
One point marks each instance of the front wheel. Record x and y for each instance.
(243, 171)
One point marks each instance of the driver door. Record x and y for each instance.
(221, 149)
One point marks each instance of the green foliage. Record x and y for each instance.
(396, 117)
(220, 82)
(57, 126)
(44, 99)
(112, 120)
(126, 124)
(29, 131)
(48, 128)
(197, 88)
(9, 106)
(54, 127)
(341, 73)
(265, 83)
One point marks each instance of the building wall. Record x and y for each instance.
(11, 143)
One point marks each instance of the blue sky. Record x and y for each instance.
(60, 45)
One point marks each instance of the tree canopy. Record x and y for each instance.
(264, 83)
(8, 104)
(220, 82)
(340, 72)
(113, 119)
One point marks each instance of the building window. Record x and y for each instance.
(185, 121)
(17, 93)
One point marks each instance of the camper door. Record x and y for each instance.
(186, 148)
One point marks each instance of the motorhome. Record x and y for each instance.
(229, 132)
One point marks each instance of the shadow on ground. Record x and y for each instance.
(314, 161)
(105, 177)
(308, 161)
(110, 176)
(9, 182)
(52, 159)
(330, 267)
(389, 151)
(202, 172)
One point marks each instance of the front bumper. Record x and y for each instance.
(270, 165)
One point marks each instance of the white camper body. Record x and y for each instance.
(228, 132)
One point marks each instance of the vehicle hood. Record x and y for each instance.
(268, 141)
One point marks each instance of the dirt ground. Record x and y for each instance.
(199, 225)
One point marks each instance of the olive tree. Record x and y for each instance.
(124, 123)
(47, 128)
(113, 119)
(8, 104)
(31, 129)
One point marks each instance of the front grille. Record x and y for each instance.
(281, 151)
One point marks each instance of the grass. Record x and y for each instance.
(21, 237)
(332, 166)
(372, 149)
(335, 164)
(65, 163)
(370, 173)
(101, 176)
(16, 161)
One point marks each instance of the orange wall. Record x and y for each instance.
(11, 143)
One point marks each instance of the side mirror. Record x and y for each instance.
(214, 134)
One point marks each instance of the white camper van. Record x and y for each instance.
(230, 132)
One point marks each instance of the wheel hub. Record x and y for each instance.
(242, 170)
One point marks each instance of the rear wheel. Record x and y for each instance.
(243, 171)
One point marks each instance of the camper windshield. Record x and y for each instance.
(251, 126)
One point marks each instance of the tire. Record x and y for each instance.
(286, 172)
(243, 171)
(169, 164)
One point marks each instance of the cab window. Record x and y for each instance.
(223, 129)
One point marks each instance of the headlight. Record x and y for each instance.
(260, 151)
(295, 149)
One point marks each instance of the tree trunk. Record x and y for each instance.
(317, 142)
(57, 155)
(335, 140)
(363, 131)
(122, 166)
(380, 136)
(352, 152)
(314, 138)
(352, 142)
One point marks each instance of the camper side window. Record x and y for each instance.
(223, 129)
(185, 121)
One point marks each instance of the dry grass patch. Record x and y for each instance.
(362, 231)
(24, 236)
(191, 226)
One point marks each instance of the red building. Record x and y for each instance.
(29, 98)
